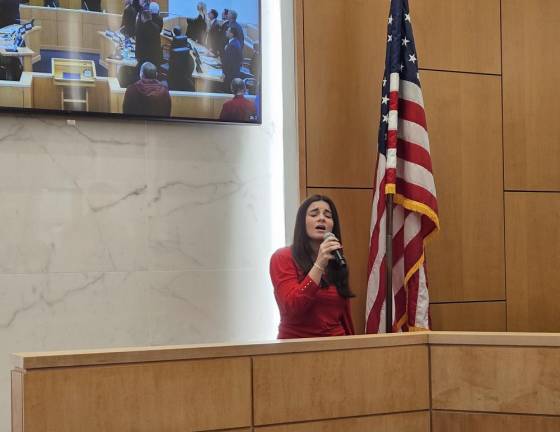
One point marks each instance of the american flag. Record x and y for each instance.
(404, 169)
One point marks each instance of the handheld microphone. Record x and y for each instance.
(338, 256)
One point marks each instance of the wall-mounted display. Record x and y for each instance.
(167, 59)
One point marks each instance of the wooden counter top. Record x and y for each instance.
(40, 360)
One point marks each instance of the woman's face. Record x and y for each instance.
(318, 220)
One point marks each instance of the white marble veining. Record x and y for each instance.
(122, 233)
(70, 202)
(206, 193)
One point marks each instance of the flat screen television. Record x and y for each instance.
(179, 60)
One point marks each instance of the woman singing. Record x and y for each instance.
(311, 289)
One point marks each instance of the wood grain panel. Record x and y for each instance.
(443, 421)
(531, 111)
(478, 316)
(496, 379)
(458, 35)
(99, 97)
(466, 259)
(12, 96)
(69, 26)
(38, 12)
(354, 208)
(491, 338)
(405, 422)
(45, 94)
(25, 11)
(170, 396)
(17, 401)
(49, 31)
(90, 37)
(533, 258)
(114, 6)
(318, 386)
(57, 359)
(344, 61)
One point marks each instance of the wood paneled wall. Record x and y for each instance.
(492, 118)
(70, 29)
(473, 390)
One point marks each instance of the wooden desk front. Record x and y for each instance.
(70, 29)
(457, 381)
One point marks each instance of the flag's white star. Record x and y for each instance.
(412, 58)
(384, 81)
(402, 67)
(407, 17)
(389, 38)
(386, 118)
(384, 100)
(390, 20)
(405, 41)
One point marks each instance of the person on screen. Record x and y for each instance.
(179, 41)
(225, 23)
(238, 109)
(232, 22)
(181, 67)
(215, 40)
(197, 27)
(232, 58)
(310, 288)
(147, 96)
(128, 23)
(148, 42)
(9, 12)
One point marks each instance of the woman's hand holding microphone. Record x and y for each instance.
(326, 250)
(325, 254)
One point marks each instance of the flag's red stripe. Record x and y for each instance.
(374, 240)
(400, 304)
(416, 193)
(412, 112)
(394, 100)
(375, 312)
(427, 226)
(392, 138)
(414, 153)
(413, 250)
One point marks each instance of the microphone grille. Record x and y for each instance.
(327, 235)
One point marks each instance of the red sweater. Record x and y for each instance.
(238, 109)
(147, 97)
(306, 310)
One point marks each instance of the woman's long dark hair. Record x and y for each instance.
(303, 253)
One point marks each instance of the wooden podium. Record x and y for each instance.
(419, 382)
(75, 78)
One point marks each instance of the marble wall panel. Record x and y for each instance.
(132, 233)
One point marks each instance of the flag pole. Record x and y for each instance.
(389, 262)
